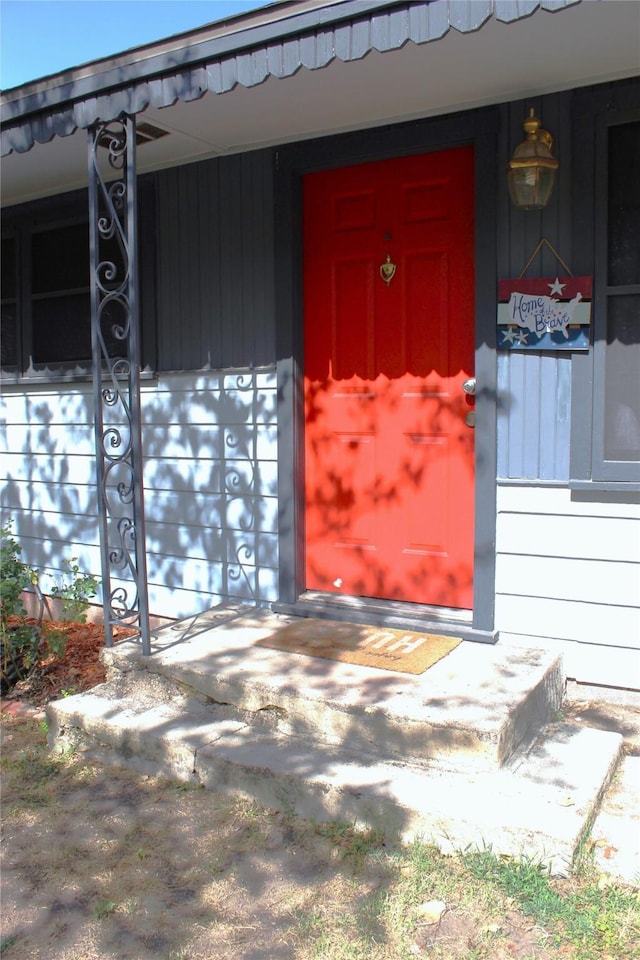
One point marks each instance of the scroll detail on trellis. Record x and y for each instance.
(116, 365)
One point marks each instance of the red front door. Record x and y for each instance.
(389, 461)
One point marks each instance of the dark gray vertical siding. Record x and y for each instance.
(534, 387)
(168, 324)
(215, 252)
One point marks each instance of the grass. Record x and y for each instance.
(595, 919)
(104, 908)
(7, 942)
(175, 873)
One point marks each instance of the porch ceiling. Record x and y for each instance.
(548, 51)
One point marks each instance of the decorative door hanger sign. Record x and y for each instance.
(544, 314)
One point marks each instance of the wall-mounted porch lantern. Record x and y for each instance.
(531, 172)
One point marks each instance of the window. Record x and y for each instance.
(46, 304)
(46, 297)
(46, 300)
(9, 314)
(60, 296)
(606, 395)
(620, 359)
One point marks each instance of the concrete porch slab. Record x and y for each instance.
(475, 707)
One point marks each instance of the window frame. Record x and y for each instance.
(21, 224)
(51, 213)
(13, 235)
(589, 468)
(31, 297)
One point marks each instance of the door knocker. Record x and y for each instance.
(388, 270)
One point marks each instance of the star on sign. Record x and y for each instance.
(509, 335)
(523, 337)
(556, 287)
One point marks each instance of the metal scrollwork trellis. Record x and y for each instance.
(116, 365)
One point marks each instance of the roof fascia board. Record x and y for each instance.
(311, 36)
(76, 84)
(193, 54)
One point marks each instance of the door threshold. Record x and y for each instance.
(394, 614)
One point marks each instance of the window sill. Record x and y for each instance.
(605, 486)
(53, 377)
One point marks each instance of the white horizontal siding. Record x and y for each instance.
(595, 623)
(71, 498)
(51, 439)
(184, 602)
(560, 501)
(176, 484)
(210, 473)
(39, 407)
(63, 468)
(48, 477)
(568, 571)
(591, 538)
(568, 578)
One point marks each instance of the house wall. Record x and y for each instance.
(210, 475)
(568, 571)
(215, 270)
(567, 562)
(534, 389)
(48, 488)
(567, 568)
(209, 437)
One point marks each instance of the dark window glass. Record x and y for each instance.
(9, 336)
(624, 204)
(46, 299)
(8, 271)
(62, 329)
(60, 259)
(9, 315)
(622, 379)
(61, 303)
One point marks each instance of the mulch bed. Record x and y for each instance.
(79, 669)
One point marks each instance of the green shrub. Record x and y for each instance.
(75, 591)
(24, 643)
(19, 639)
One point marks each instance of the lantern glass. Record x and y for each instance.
(531, 187)
(532, 169)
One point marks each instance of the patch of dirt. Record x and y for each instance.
(105, 864)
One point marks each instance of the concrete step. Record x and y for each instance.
(616, 831)
(472, 710)
(541, 804)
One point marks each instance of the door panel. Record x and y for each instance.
(388, 455)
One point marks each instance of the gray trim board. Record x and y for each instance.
(595, 111)
(480, 129)
(486, 191)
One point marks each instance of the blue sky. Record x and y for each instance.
(39, 37)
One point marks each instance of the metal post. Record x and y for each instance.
(116, 368)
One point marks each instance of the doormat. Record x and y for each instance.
(404, 651)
